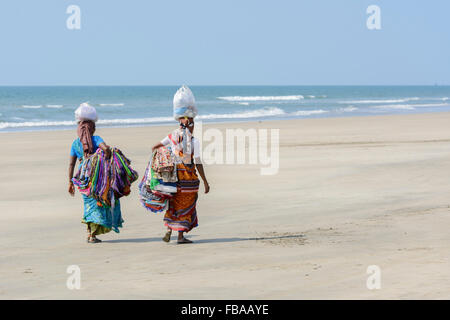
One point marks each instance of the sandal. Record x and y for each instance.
(93, 239)
(167, 236)
(184, 240)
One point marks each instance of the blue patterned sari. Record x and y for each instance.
(99, 219)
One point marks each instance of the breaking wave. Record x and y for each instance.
(111, 104)
(309, 112)
(31, 107)
(54, 106)
(261, 98)
(411, 106)
(266, 112)
(247, 114)
(380, 101)
(347, 109)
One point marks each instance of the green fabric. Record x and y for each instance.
(153, 182)
(96, 229)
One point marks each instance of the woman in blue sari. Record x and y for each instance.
(99, 219)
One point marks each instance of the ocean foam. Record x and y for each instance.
(347, 109)
(432, 105)
(4, 125)
(380, 101)
(135, 121)
(261, 98)
(411, 106)
(54, 106)
(322, 96)
(309, 112)
(266, 112)
(395, 106)
(111, 104)
(31, 107)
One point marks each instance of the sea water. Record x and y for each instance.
(50, 108)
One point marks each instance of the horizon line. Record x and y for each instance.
(225, 85)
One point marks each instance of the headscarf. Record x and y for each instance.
(85, 132)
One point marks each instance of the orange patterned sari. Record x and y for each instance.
(182, 213)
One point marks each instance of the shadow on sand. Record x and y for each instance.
(214, 240)
(296, 236)
(136, 240)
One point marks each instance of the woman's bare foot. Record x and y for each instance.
(182, 239)
(93, 239)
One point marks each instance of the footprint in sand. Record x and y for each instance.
(281, 238)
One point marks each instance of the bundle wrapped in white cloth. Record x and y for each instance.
(86, 112)
(184, 103)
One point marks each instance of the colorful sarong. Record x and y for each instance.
(102, 182)
(182, 213)
(101, 219)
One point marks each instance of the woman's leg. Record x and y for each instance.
(182, 214)
(94, 228)
(101, 216)
(89, 232)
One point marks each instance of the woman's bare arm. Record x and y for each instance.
(72, 162)
(201, 171)
(106, 149)
(156, 146)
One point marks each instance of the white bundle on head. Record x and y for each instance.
(86, 112)
(184, 103)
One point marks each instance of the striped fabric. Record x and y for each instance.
(182, 212)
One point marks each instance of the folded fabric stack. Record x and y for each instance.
(159, 182)
(163, 165)
(104, 179)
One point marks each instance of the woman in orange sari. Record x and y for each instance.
(181, 215)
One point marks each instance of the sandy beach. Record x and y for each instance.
(350, 193)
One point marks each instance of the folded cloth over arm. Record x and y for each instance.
(159, 182)
(163, 165)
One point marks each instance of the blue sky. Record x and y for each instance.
(209, 42)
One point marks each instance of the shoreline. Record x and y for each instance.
(232, 122)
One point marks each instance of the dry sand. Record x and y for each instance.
(350, 192)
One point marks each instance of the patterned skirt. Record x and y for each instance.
(182, 212)
(99, 219)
